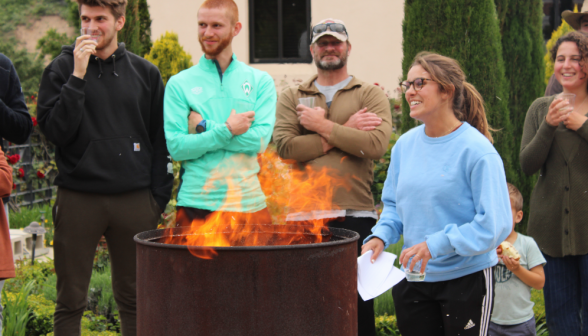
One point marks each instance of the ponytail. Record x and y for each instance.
(473, 110)
(468, 104)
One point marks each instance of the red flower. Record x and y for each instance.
(13, 158)
(33, 97)
(20, 173)
(376, 84)
(34, 121)
(13, 186)
(40, 174)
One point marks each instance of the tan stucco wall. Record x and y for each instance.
(374, 26)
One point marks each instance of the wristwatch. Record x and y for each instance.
(201, 127)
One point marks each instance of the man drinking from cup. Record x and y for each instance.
(335, 120)
(219, 115)
(102, 106)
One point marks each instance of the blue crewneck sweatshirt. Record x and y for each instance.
(450, 192)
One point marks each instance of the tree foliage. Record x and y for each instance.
(522, 50)
(168, 55)
(466, 30)
(51, 43)
(136, 34)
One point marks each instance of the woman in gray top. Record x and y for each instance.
(555, 143)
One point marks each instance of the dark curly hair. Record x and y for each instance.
(580, 39)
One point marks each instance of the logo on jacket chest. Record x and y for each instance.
(247, 88)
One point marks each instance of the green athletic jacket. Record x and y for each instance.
(214, 161)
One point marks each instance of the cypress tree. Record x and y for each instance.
(130, 34)
(466, 30)
(522, 50)
(144, 27)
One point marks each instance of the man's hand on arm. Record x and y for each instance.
(313, 119)
(363, 120)
(240, 123)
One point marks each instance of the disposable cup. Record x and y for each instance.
(94, 33)
(416, 275)
(571, 98)
(307, 101)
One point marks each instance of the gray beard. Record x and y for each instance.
(335, 65)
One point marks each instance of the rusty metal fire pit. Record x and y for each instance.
(307, 289)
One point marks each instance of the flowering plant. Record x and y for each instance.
(12, 159)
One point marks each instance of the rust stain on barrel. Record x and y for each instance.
(271, 290)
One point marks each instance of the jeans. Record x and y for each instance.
(566, 295)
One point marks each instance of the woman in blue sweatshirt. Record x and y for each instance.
(446, 193)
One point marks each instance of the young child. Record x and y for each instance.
(513, 308)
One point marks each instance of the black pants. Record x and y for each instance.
(80, 221)
(460, 306)
(366, 322)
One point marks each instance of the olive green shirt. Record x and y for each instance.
(354, 150)
(559, 203)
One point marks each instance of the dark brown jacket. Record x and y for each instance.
(354, 150)
(6, 260)
(559, 204)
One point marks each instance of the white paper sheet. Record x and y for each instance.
(375, 279)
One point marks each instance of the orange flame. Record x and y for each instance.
(288, 191)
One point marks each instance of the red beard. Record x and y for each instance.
(215, 51)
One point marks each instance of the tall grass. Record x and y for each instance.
(384, 304)
(16, 311)
(23, 218)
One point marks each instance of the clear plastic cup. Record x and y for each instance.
(94, 33)
(307, 101)
(416, 275)
(571, 98)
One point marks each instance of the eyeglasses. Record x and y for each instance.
(332, 26)
(417, 82)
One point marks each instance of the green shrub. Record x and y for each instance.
(168, 55)
(386, 326)
(41, 321)
(51, 43)
(16, 310)
(25, 273)
(49, 288)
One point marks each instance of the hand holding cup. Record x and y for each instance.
(84, 48)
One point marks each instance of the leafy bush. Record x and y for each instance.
(168, 55)
(25, 273)
(41, 321)
(386, 326)
(51, 43)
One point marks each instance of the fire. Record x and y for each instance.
(287, 190)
